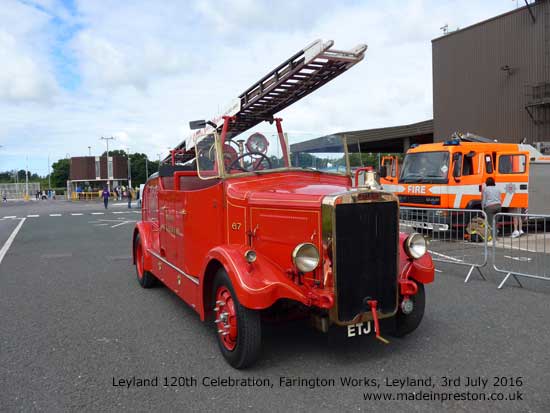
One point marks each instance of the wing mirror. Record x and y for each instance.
(199, 124)
(457, 161)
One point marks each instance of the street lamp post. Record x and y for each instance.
(89, 151)
(129, 169)
(146, 168)
(107, 141)
(27, 180)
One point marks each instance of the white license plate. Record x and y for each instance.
(359, 329)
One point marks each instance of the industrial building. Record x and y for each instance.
(490, 79)
(493, 78)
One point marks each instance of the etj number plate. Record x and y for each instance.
(359, 329)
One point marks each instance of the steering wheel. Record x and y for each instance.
(254, 163)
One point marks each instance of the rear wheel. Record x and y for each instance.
(145, 278)
(407, 323)
(238, 328)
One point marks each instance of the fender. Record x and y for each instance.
(423, 269)
(257, 285)
(145, 231)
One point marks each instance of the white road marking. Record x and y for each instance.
(55, 215)
(9, 241)
(77, 214)
(522, 259)
(10, 217)
(436, 270)
(100, 225)
(98, 213)
(122, 223)
(447, 256)
(119, 212)
(33, 216)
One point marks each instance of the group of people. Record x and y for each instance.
(45, 194)
(120, 193)
(491, 204)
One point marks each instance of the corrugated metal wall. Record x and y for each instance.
(471, 93)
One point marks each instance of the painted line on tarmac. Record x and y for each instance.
(33, 216)
(436, 270)
(10, 217)
(76, 214)
(55, 215)
(122, 223)
(447, 256)
(521, 259)
(98, 213)
(9, 241)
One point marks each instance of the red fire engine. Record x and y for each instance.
(243, 230)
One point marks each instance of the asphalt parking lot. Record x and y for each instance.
(74, 322)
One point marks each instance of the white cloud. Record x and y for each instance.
(143, 69)
(25, 73)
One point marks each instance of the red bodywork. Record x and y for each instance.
(191, 227)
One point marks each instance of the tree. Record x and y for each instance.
(116, 152)
(60, 173)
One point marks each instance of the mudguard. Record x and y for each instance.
(257, 285)
(144, 229)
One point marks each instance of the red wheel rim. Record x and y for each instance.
(139, 261)
(226, 318)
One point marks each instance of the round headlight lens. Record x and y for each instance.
(306, 257)
(416, 246)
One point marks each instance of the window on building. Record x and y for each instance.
(110, 167)
(97, 168)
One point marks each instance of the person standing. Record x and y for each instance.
(105, 194)
(490, 200)
(129, 195)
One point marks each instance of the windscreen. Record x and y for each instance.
(425, 167)
(329, 157)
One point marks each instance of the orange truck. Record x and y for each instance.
(451, 174)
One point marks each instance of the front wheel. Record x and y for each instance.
(238, 328)
(407, 323)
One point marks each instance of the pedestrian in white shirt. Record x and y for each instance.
(490, 200)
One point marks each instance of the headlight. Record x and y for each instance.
(416, 246)
(306, 257)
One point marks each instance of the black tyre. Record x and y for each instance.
(239, 331)
(145, 278)
(407, 323)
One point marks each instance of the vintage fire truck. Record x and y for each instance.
(245, 231)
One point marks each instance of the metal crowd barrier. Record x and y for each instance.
(523, 255)
(456, 236)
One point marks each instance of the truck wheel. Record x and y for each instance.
(145, 278)
(407, 323)
(238, 328)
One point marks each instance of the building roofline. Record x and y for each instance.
(518, 10)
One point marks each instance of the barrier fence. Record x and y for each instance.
(521, 246)
(456, 236)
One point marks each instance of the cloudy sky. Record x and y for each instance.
(75, 70)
